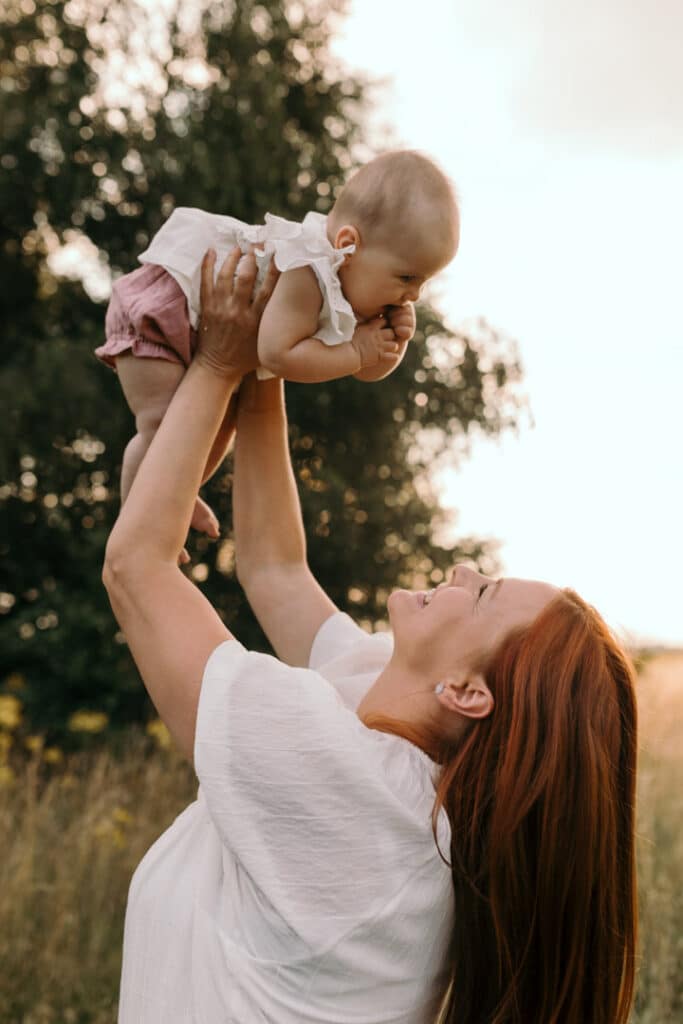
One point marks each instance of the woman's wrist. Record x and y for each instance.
(230, 375)
(257, 396)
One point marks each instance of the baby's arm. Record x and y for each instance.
(287, 345)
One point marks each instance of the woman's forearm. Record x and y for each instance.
(270, 546)
(266, 511)
(156, 516)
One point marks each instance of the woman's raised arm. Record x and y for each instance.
(270, 546)
(170, 627)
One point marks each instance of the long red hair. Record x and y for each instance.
(541, 800)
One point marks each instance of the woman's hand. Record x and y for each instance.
(231, 313)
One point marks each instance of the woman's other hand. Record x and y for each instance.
(231, 312)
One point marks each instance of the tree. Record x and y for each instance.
(240, 111)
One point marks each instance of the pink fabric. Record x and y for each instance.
(147, 315)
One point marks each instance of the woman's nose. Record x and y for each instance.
(463, 573)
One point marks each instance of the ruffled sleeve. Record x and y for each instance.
(181, 242)
(306, 245)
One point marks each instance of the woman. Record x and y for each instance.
(442, 822)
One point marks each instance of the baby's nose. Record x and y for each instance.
(412, 293)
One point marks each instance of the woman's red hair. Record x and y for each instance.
(541, 801)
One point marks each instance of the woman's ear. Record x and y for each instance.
(468, 696)
(347, 235)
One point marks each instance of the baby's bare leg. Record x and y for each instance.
(148, 386)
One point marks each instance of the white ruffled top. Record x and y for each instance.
(180, 244)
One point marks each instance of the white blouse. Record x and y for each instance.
(181, 242)
(304, 885)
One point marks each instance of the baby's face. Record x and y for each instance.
(388, 275)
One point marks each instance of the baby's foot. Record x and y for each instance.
(204, 520)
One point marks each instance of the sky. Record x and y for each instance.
(562, 127)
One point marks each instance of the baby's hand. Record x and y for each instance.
(402, 321)
(374, 342)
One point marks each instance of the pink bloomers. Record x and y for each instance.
(147, 315)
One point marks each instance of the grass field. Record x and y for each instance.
(73, 834)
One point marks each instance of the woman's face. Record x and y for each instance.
(460, 623)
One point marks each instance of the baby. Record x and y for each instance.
(394, 225)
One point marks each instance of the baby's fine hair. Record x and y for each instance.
(400, 190)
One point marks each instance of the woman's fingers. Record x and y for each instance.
(266, 289)
(226, 274)
(243, 283)
(237, 275)
(206, 283)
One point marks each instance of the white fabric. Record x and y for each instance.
(304, 885)
(181, 242)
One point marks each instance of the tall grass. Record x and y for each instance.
(660, 841)
(70, 845)
(71, 840)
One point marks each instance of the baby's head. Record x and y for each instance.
(401, 213)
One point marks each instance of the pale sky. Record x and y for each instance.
(562, 126)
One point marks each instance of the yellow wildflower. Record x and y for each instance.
(34, 743)
(6, 775)
(88, 721)
(158, 731)
(106, 831)
(10, 711)
(52, 755)
(118, 838)
(121, 816)
(102, 829)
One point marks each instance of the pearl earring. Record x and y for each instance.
(439, 688)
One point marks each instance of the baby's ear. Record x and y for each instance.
(347, 235)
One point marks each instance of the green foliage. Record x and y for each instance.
(242, 111)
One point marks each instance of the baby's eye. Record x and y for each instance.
(406, 278)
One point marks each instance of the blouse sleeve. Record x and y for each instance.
(336, 637)
(348, 657)
(294, 785)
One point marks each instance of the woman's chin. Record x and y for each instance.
(401, 602)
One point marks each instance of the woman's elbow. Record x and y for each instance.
(245, 570)
(116, 569)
